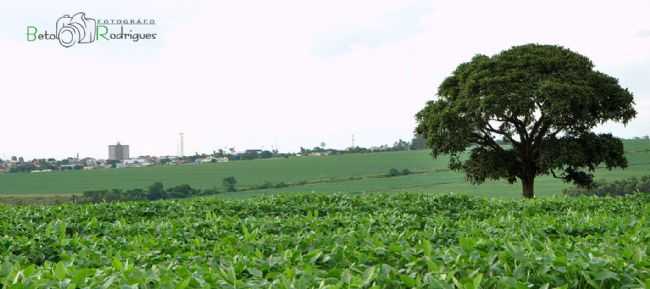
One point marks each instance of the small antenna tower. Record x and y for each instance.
(181, 152)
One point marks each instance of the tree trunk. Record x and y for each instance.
(528, 186)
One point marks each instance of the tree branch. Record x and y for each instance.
(490, 128)
(486, 140)
(521, 129)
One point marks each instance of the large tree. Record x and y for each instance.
(542, 101)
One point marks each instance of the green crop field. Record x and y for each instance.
(329, 173)
(330, 241)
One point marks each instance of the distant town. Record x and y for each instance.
(119, 157)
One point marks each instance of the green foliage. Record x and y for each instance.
(269, 185)
(182, 191)
(155, 192)
(393, 172)
(418, 143)
(330, 241)
(281, 185)
(614, 188)
(229, 184)
(542, 101)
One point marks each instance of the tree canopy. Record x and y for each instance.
(542, 101)
(230, 184)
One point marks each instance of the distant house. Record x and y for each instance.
(12, 163)
(167, 160)
(140, 162)
(212, 160)
(320, 153)
(152, 159)
(89, 162)
(103, 164)
(70, 167)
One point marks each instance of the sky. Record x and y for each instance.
(284, 73)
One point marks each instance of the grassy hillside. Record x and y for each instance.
(435, 176)
(330, 241)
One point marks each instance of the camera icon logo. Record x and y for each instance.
(74, 29)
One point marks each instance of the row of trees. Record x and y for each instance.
(155, 191)
(613, 188)
(417, 143)
(20, 165)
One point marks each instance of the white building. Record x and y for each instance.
(118, 152)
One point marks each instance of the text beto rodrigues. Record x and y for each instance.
(102, 34)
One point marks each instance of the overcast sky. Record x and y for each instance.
(257, 74)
